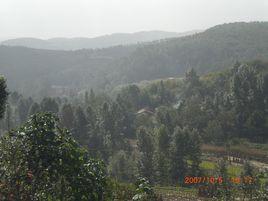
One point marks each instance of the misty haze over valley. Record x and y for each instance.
(145, 100)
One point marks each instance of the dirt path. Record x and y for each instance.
(260, 165)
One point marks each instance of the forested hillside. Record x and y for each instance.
(214, 49)
(102, 69)
(92, 43)
(24, 67)
(161, 132)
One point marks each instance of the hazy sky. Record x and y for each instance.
(89, 18)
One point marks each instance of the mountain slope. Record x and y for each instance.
(92, 43)
(211, 50)
(34, 71)
(215, 49)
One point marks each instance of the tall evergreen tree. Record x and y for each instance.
(183, 148)
(86, 98)
(22, 110)
(8, 117)
(91, 119)
(192, 85)
(3, 96)
(35, 108)
(80, 126)
(161, 155)
(67, 116)
(194, 151)
(146, 149)
(15, 97)
(49, 105)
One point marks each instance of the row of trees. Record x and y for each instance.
(233, 103)
(165, 159)
(164, 143)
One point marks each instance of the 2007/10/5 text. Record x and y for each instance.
(219, 180)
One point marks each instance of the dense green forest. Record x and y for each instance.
(58, 73)
(152, 134)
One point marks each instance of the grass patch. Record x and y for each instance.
(233, 170)
(207, 165)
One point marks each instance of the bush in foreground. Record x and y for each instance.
(41, 161)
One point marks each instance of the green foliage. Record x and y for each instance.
(49, 105)
(40, 161)
(144, 192)
(213, 133)
(23, 109)
(118, 191)
(131, 95)
(185, 146)
(146, 149)
(161, 155)
(8, 118)
(166, 116)
(122, 166)
(35, 108)
(161, 143)
(67, 116)
(247, 91)
(80, 130)
(3, 96)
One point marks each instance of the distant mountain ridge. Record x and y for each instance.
(93, 43)
(215, 49)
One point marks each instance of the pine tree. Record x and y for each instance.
(125, 118)
(161, 155)
(3, 96)
(178, 151)
(86, 98)
(95, 141)
(49, 105)
(92, 98)
(194, 151)
(67, 116)
(122, 166)
(183, 148)
(35, 108)
(192, 85)
(146, 149)
(15, 97)
(8, 117)
(91, 119)
(22, 110)
(80, 126)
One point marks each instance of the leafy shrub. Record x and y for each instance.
(144, 192)
(41, 161)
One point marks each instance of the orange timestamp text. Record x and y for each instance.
(218, 180)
